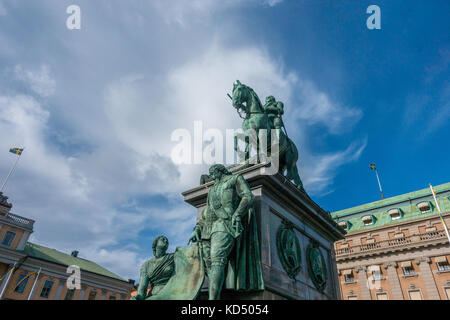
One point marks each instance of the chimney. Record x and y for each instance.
(74, 253)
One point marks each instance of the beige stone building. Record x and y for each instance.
(395, 248)
(32, 272)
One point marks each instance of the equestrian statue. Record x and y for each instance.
(269, 118)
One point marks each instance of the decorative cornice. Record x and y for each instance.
(386, 265)
(358, 269)
(422, 259)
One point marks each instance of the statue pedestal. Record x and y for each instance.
(285, 214)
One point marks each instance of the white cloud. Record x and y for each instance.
(273, 3)
(316, 107)
(87, 200)
(40, 81)
(320, 170)
(185, 12)
(83, 193)
(144, 114)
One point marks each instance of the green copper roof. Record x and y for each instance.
(407, 203)
(52, 255)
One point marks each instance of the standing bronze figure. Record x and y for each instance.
(227, 232)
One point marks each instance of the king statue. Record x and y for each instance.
(227, 234)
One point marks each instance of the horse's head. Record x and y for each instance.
(239, 95)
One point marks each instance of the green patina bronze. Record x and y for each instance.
(288, 248)
(228, 237)
(187, 280)
(226, 245)
(265, 117)
(317, 268)
(171, 276)
(157, 271)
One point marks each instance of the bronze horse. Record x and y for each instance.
(244, 98)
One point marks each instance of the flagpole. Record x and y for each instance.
(7, 280)
(34, 284)
(379, 184)
(439, 211)
(10, 172)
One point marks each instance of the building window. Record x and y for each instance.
(46, 289)
(69, 294)
(443, 266)
(395, 213)
(8, 238)
(92, 295)
(415, 295)
(408, 271)
(382, 296)
(352, 297)
(349, 278)
(348, 275)
(442, 263)
(112, 297)
(407, 267)
(376, 273)
(21, 283)
(447, 292)
(425, 207)
(368, 220)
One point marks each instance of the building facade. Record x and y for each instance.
(32, 272)
(395, 248)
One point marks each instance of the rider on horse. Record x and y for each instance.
(274, 111)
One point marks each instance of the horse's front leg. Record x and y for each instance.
(241, 154)
(247, 147)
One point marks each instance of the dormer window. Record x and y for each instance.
(368, 220)
(424, 207)
(345, 225)
(395, 213)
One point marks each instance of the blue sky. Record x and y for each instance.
(95, 107)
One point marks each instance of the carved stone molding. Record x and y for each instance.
(422, 259)
(386, 265)
(358, 269)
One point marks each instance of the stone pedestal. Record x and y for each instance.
(279, 203)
